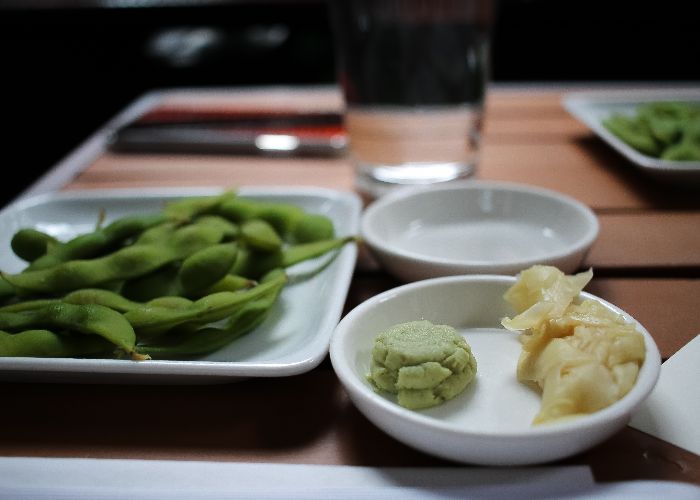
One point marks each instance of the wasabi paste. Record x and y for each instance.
(422, 363)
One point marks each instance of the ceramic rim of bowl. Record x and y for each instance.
(583, 243)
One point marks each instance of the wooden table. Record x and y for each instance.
(646, 260)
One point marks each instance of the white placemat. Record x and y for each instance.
(101, 479)
(671, 410)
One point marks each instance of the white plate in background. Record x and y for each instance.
(293, 340)
(490, 422)
(592, 107)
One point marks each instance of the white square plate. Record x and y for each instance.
(591, 108)
(293, 340)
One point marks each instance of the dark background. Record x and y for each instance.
(68, 67)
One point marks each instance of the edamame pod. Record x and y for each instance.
(260, 236)
(127, 263)
(229, 230)
(98, 242)
(102, 297)
(29, 244)
(684, 151)
(89, 319)
(157, 233)
(192, 206)
(239, 209)
(312, 227)
(633, 133)
(198, 271)
(150, 321)
(205, 267)
(230, 283)
(170, 302)
(254, 265)
(281, 216)
(158, 283)
(47, 344)
(117, 302)
(208, 339)
(28, 305)
(6, 290)
(189, 239)
(660, 129)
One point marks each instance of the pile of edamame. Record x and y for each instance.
(175, 284)
(665, 130)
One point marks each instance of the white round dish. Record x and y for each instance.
(490, 422)
(476, 227)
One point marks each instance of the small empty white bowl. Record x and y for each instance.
(490, 422)
(477, 227)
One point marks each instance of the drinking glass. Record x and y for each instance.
(413, 75)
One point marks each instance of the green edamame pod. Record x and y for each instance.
(47, 344)
(28, 305)
(281, 216)
(192, 206)
(688, 147)
(312, 227)
(634, 133)
(684, 151)
(203, 266)
(229, 230)
(129, 226)
(230, 283)
(6, 290)
(189, 239)
(691, 133)
(208, 339)
(660, 129)
(102, 297)
(667, 132)
(29, 244)
(158, 283)
(260, 236)
(150, 321)
(98, 242)
(170, 302)
(238, 209)
(254, 265)
(89, 319)
(207, 266)
(292, 223)
(157, 233)
(183, 243)
(115, 301)
(126, 263)
(663, 124)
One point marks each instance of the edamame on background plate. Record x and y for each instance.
(292, 340)
(593, 107)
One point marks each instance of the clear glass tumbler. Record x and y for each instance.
(413, 75)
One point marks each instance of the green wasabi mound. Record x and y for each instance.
(422, 363)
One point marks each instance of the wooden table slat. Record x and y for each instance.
(654, 240)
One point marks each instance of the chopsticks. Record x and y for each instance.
(232, 132)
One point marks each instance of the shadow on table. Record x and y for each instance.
(259, 416)
(660, 192)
